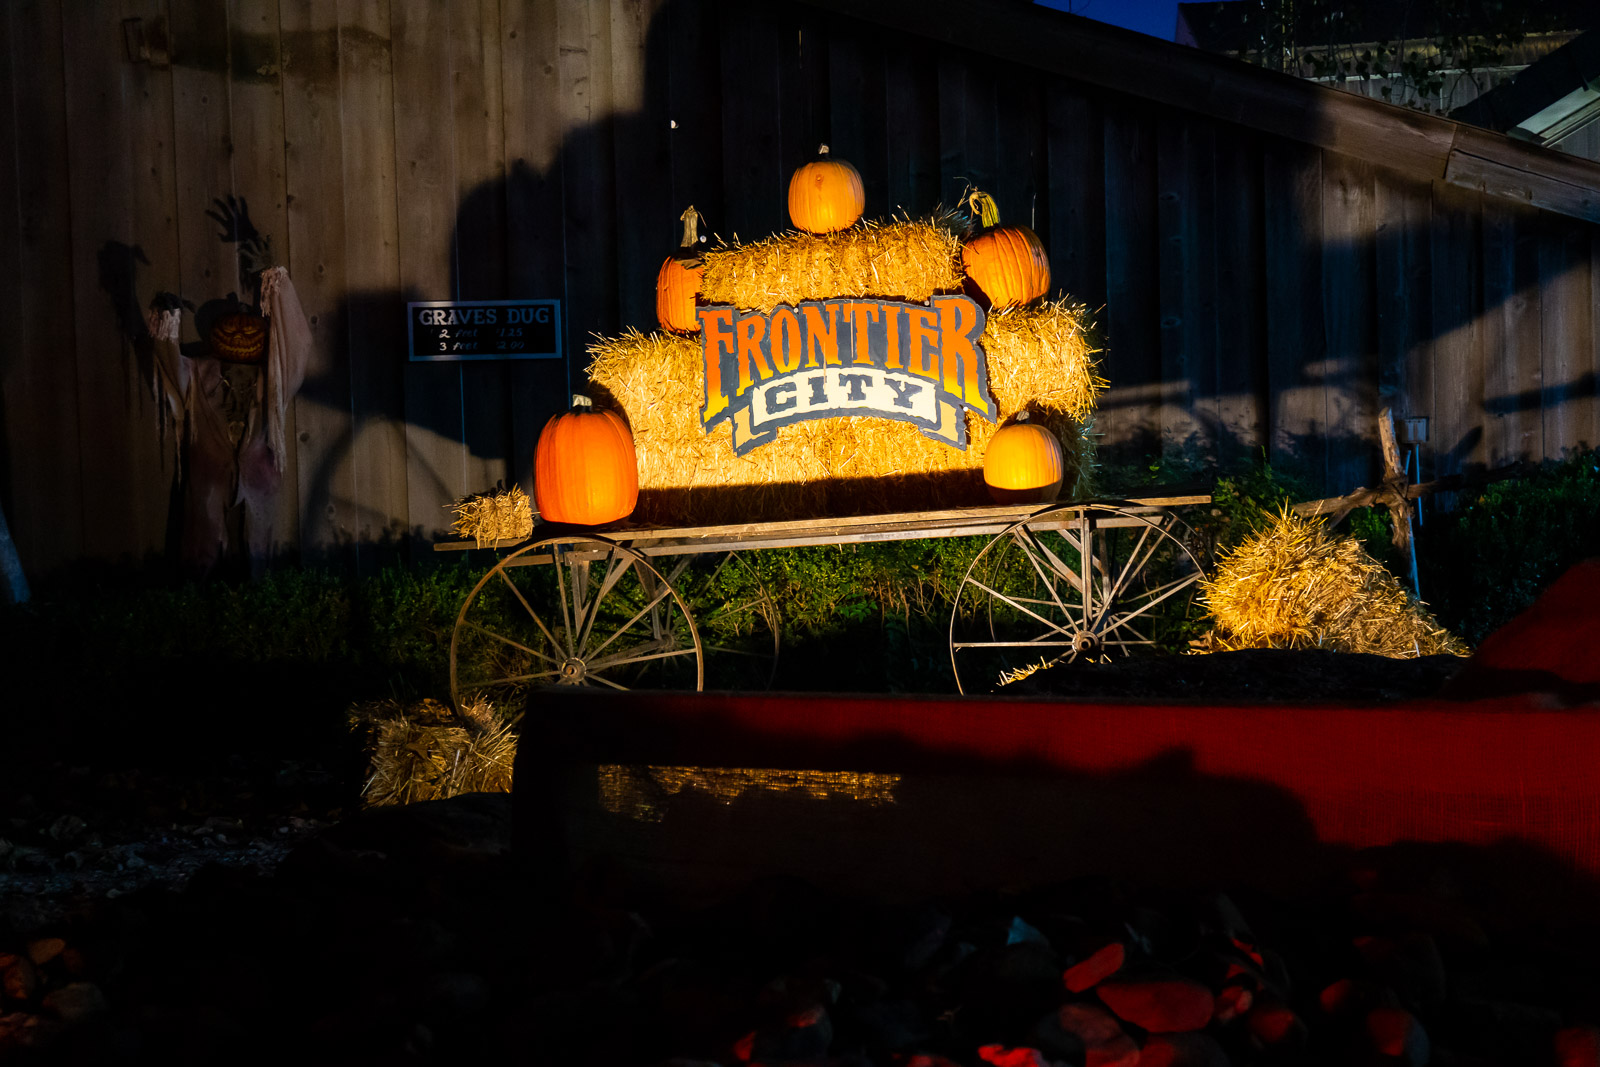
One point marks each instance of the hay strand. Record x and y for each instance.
(499, 514)
(423, 752)
(900, 259)
(1296, 585)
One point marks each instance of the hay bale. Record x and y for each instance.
(423, 752)
(898, 260)
(499, 514)
(1040, 359)
(1295, 585)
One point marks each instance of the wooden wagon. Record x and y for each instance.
(681, 607)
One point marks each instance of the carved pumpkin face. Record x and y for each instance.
(584, 469)
(826, 195)
(239, 338)
(1023, 464)
(678, 281)
(1007, 264)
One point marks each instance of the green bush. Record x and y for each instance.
(1503, 545)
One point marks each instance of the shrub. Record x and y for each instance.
(1490, 558)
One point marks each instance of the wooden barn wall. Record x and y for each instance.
(1254, 296)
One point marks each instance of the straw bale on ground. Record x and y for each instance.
(899, 260)
(423, 752)
(1296, 585)
(493, 516)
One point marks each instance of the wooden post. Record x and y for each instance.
(1396, 481)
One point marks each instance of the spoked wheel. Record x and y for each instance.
(735, 615)
(572, 612)
(1085, 581)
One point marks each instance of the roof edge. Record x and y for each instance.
(1421, 146)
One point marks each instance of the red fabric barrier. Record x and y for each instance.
(1153, 779)
(1474, 772)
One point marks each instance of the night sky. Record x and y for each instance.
(1155, 17)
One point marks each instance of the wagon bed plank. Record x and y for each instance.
(954, 522)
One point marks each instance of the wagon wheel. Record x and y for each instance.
(1086, 581)
(735, 615)
(572, 612)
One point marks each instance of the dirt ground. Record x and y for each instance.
(1255, 676)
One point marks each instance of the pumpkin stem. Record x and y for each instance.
(581, 401)
(987, 211)
(691, 227)
(1022, 416)
(822, 150)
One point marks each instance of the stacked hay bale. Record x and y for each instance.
(424, 752)
(1040, 359)
(1295, 585)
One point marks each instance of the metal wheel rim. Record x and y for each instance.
(1103, 620)
(576, 630)
(761, 604)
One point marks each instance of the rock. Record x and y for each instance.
(67, 827)
(804, 1034)
(1276, 1028)
(1096, 967)
(455, 995)
(929, 930)
(1395, 1033)
(76, 1002)
(1182, 1050)
(1001, 1056)
(1452, 923)
(45, 949)
(19, 981)
(1160, 1004)
(1350, 998)
(1577, 1046)
(1233, 1002)
(1091, 1028)
(893, 1025)
(1410, 963)
(1233, 968)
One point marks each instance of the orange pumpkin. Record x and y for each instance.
(1023, 464)
(826, 195)
(239, 338)
(678, 280)
(584, 470)
(1007, 264)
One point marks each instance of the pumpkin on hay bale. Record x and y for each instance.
(424, 752)
(1296, 585)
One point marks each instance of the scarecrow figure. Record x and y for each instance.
(224, 399)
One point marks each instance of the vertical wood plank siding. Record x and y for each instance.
(1252, 295)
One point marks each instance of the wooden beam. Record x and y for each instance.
(1400, 139)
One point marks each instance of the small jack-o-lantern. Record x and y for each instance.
(239, 338)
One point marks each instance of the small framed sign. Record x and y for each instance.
(450, 330)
